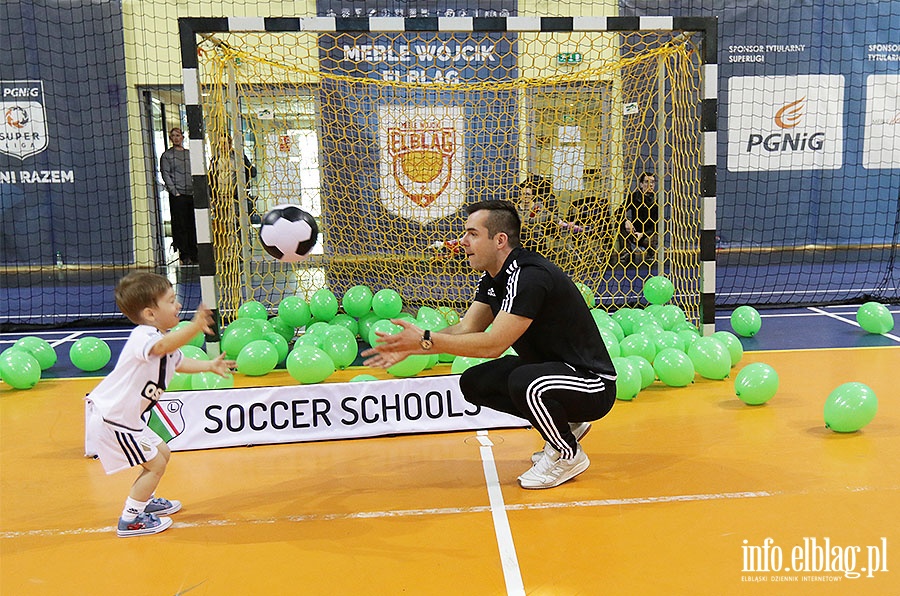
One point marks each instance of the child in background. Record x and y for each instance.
(149, 359)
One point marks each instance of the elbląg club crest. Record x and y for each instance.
(422, 161)
(23, 129)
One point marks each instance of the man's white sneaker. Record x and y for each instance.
(549, 471)
(579, 429)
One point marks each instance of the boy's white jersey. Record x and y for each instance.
(137, 381)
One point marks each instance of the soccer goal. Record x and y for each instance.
(384, 128)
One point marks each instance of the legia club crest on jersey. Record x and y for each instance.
(422, 158)
(23, 129)
(165, 419)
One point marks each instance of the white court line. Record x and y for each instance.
(442, 511)
(849, 321)
(512, 574)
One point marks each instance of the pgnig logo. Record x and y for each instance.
(788, 117)
(812, 560)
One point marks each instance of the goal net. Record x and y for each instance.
(384, 135)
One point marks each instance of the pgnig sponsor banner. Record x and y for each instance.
(265, 415)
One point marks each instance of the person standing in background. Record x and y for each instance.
(641, 216)
(175, 166)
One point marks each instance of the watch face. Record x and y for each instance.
(426, 344)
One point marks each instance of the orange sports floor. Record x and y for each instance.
(683, 483)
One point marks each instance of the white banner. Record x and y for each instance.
(881, 147)
(291, 414)
(785, 123)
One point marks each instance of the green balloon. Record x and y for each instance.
(346, 321)
(357, 301)
(625, 318)
(365, 325)
(732, 344)
(445, 358)
(283, 328)
(363, 377)
(253, 310)
(309, 365)
(450, 315)
(197, 340)
(19, 369)
(210, 380)
(875, 318)
(710, 357)
(601, 318)
(745, 321)
(429, 318)
(649, 326)
(382, 326)
(850, 407)
(281, 345)
(688, 337)
(194, 352)
(670, 315)
(409, 366)
(756, 384)
(685, 326)
(387, 303)
(257, 358)
(669, 339)
(323, 305)
(294, 311)
(90, 353)
(433, 360)
(674, 368)
(587, 293)
(317, 328)
(638, 344)
(648, 375)
(310, 339)
(611, 343)
(638, 317)
(340, 344)
(628, 379)
(245, 323)
(658, 289)
(236, 337)
(38, 347)
(464, 363)
(181, 382)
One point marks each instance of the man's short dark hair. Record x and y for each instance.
(645, 175)
(503, 217)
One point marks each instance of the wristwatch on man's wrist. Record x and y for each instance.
(426, 342)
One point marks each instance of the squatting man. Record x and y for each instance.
(561, 377)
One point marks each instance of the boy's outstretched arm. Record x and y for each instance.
(218, 365)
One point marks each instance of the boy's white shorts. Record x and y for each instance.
(119, 447)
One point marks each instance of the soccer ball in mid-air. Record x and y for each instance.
(288, 233)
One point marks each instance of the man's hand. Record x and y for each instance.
(391, 349)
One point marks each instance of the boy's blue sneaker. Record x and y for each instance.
(160, 506)
(144, 523)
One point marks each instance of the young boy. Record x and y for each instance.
(146, 365)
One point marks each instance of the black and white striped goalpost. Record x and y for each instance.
(190, 28)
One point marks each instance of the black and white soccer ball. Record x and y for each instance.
(288, 233)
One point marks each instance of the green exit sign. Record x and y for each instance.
(569, 58)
